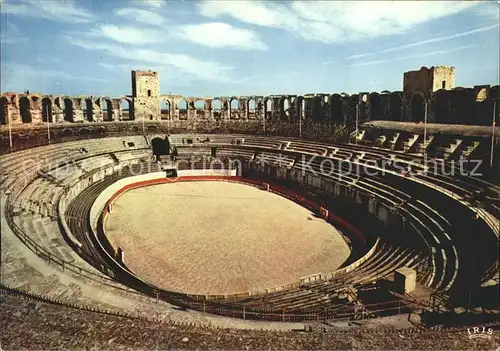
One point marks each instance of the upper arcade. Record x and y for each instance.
(432, 88)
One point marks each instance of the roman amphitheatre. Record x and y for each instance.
(273, 220)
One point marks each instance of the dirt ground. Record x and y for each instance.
(214, 237)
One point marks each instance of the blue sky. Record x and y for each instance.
(218, 48)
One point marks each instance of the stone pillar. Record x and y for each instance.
(97, 110)
(225, 109)
(13, 114)
(116, 110)
(77, 110)
(242, 107)
(208, 109)
(36, 109)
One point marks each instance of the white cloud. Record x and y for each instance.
(405, 57)
(357, 56)
(203, 69)
(61, 11)
(444, 38)
(129, 34)
(335, 21)
(367, 63)
(436, 52)
(140, 15)
(217, 35)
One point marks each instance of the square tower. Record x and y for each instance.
(146, 95)
(428, 80)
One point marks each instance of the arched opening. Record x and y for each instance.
(285, 109)
(216, 106)
(268, 108)
(336, 109)
(317, 111)
(376, 110)
(89, 113)
(165, 109)
(199, 108)
(199, 105)
(299, 107)
(462, 106)
(442, 106)
(68, 110)
(234, 108)
(234, 104)
(25, 109)
(483, 109)
(251, 108)
(417, 108)
(126, 109)
(107, 110)
(182, 107)
(149, 92)
(350, 109)
(47, 110)
(4, 115)
(325, 108)
(395, 108)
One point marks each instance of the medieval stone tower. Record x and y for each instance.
(146, 95)
(428, 80)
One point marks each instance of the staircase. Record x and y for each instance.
(391, 143)
(407, 145)
(447, 151)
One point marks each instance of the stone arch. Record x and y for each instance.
(350, 108)
(182, 107)
(441, 106)
(216, 107)
(126, 109)
(47, 110)
(284, 102)
(268, 107)
(395, 107)
(88, 110)
(300, 107)
(25, 109)
(234, 107)
(376, 108)
(4, 114)
(251, 107)
(417, 107)
(165, 109)
(317, 108)
(199, 104)
(336, 109)
(233, 103)
(68, 109)
(107, 109)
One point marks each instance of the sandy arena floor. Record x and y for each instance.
(215, 237)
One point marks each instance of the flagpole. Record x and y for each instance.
(10, 127)
(48, 122)
(493, 131)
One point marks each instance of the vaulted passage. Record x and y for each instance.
(25, 109)
(417, 108)
(47, 110)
